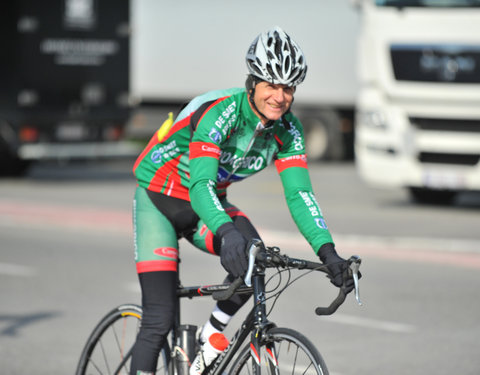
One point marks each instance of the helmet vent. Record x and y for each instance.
(270, 71)
(287, 64)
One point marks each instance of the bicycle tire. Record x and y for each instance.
(111, 341)
(294, 353)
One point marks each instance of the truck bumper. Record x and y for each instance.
(52, 151)
(384, 168)
(407, 148)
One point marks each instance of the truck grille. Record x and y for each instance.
(436, 63)
(451, 125)
(454, 125)
(442, 158)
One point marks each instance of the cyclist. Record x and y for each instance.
(219, 138)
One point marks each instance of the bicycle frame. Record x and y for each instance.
(263, 333)
(256, 322)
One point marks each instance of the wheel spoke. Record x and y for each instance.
(95, 365)
(295, 361)
(109, 348)
(102, 347)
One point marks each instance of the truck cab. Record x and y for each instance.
(418, 106)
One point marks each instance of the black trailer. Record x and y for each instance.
(64, 80)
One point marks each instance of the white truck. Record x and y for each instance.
(183, 48)
(418, 107)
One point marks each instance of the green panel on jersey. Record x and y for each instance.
(304, 208)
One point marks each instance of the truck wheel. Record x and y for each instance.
(431, 196)
(13, 167)
(323, 136)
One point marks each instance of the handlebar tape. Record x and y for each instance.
(334, 305)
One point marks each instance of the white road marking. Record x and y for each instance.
(16, 270)
(372, 323)
(19, 214)
(453, 245)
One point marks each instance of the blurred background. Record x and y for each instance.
(391, 114)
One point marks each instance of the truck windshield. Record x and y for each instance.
(429, 3)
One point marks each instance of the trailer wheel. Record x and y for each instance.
(323, 136)
(431, 196)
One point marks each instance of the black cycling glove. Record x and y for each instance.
(233, 250)
(336, 265)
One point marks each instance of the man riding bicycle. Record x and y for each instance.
(219, 138)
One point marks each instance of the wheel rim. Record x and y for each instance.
(112, 350)
(287, 357)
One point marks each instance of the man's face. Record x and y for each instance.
(273, 100)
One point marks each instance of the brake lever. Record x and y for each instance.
(253, 250)
(355, 262)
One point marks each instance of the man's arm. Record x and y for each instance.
(204, 200)
(301, 201)
(203, 184)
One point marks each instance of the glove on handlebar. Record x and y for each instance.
(232, 251)
(337, 266)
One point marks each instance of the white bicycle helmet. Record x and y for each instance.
(274, 57)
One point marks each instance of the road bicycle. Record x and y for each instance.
(258, 346)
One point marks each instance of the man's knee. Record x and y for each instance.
(158, 319)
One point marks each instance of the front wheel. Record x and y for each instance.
(109, 347)
(285, 351)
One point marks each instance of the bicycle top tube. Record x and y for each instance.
(208, 290)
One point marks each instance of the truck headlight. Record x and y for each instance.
(372, 119)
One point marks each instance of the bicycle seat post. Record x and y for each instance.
(186, 348)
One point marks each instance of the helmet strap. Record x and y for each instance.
(285, 123)
(251, 94)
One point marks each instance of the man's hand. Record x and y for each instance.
(232, 252)
(337, 266)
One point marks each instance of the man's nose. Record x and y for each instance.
(279, 95)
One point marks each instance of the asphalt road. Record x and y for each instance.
(66, 259)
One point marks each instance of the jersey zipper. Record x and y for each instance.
(239, 161)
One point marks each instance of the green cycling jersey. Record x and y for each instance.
(217, 140)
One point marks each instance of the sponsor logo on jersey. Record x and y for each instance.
(156, 157)
(227, 118)
(291, 158)
(321, 223)
(168, 150)
(201, 149)
(314, 209)
(297, 138)
(213, 195)
(215, 135)
(311, 203)
(250, 162)
(206, 148)
(225, 114)
(169, 252)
